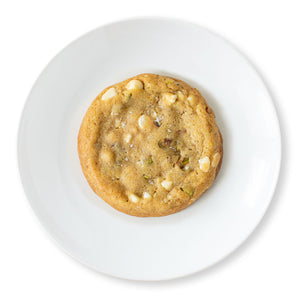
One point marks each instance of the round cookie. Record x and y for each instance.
(149, 146)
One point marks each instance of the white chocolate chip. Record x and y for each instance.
(110, 93)
(127, 137)
(134, 85)
(173, 98)
(192, 99)
(111, 137)
(166, 184)
(216, 159)
(170, 196)
(106, 156)
(116, 109)
(169, 98)
(145, 122)
(142, 121)
(204, 164)
(180, 95)
(146, 195)
(133, 198)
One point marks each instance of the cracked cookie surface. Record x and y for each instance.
(149, 146)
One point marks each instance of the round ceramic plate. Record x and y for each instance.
(149, 248)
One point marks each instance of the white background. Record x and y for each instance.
(267, 266)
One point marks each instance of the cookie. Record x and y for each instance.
(150, 146)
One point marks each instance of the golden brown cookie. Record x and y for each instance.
(149, 146)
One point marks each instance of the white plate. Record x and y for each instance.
(149, 248)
